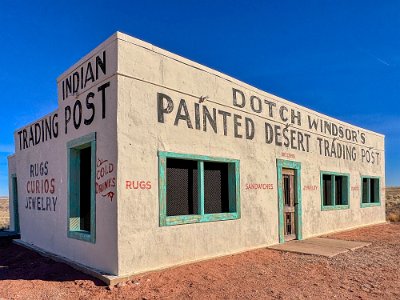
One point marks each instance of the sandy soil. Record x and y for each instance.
(368, 273)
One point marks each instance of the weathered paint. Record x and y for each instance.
(298, 210)
(234, 197)
(130, 236)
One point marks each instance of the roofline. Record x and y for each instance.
(129, 39)
(137, 42)
(35, 121)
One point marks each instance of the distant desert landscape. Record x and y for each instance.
(392, 207)
(4, 215)
(393, 204)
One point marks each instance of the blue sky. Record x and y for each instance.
(341, 58)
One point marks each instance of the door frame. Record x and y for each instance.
(287, 164)
(14, 186)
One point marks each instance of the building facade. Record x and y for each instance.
(152, 160)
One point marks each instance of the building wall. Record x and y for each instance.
(41, 163)
(144, 71)
(132, 128)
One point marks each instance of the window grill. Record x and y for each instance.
(182, 187)
(197, 188)
(216, 193)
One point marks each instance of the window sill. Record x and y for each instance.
(82, 235)
(190, 219)
(335, 207)
(363, 205)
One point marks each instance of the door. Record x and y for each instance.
(15, 202)
(289, 203)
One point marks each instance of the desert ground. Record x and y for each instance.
(372, 272)
(4, 216)
(393, 204)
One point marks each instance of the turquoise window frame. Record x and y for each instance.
(333, 191)
(378, 192)
(14, 187)
(234, 189)
(73, 162)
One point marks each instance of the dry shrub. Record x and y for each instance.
(394, 217)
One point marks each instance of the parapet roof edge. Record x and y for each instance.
(137, 42)
(35, 121)
(87, 57)
(140, 43)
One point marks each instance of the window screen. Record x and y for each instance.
(197, 189)
(182, 187)
(216, 192)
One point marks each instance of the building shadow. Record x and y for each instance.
(19, 263)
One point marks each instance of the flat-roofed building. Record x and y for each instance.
(152, 160)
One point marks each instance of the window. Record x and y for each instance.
(334, 190)
(14, 186)
(197, 189)
(370, 187)
(81, 188)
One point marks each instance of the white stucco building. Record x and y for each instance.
(152, 160)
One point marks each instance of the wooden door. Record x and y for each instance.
(289, 203)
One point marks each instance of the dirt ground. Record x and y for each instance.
(372, 272)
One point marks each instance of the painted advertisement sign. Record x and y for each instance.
(282, 126)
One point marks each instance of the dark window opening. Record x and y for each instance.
(370, 190)
(182, 187)
(216, 190)
(327, 189)
(81, 188)
(339, 190)
(85, 190)
(374, 190)
(365, 190)
(334, 190)
(286, 189)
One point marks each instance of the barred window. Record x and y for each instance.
(182, 187)
(216, 192)
(197, 188)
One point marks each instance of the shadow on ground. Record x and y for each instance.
(18, 263)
